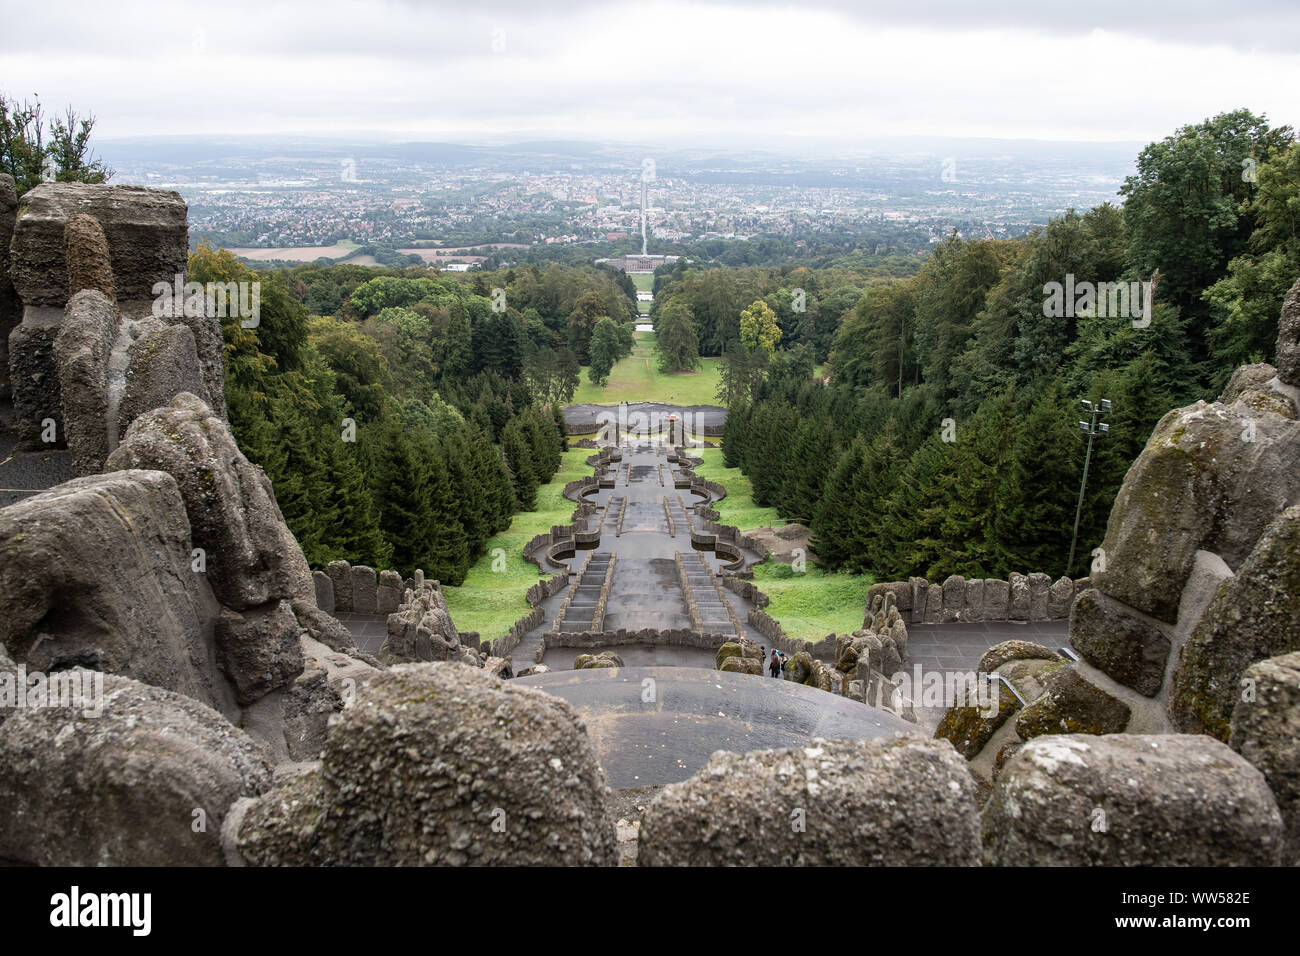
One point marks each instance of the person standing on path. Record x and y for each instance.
(774, 666)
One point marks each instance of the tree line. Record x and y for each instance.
(405, 429)
(948, 439)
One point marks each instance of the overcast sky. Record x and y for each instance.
(718, 72)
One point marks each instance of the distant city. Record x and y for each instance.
(425, 202)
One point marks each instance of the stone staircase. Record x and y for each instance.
(707, 605)
(584, 608)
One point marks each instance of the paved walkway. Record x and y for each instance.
(368, 630)
(23, 474)
(948, 647)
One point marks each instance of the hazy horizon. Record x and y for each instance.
(764, 76)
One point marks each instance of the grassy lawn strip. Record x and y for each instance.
(637, 379)
(490, 601)
(815, 603)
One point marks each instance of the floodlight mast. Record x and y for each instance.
(1090, 428)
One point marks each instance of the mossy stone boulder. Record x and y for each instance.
(799, 668)
(970, 728)
(999, 654)
(1253, 616)
(603, 659)
(742, 665)
(1073, 704)
(729, 649)
(1212, 477)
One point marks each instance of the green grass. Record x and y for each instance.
(644, 281)
(815, 603)
(490, 601)
(637, 379)
(738, 507)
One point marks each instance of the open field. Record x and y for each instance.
(340, 249)
(490, 601)
(442, 255)
(637, 379)
(644, 281)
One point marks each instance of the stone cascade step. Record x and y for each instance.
(584, 607)
(706, 603)
(612, 520)
(679, 519)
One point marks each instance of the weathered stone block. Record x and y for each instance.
(997, 600)
(1078, 800)
(324, 591)
(364, 590)
(1039, 586)
(388, 596)
(392, 787)
(340, 573)
(999, 654)
(86, 251)
(122, 786)
(258, 649)
(160, 366)
(1253, 616)
(1212, 478)
(899, 802)
(98, 572)
(148, 239)
(81, 351)
(1018, 608)
(933, 604)
(1266, 731)
(1119, 642)
(34, 381)
(954, 597)
(973, 609)
(1072, 704)
(252, 558)
(1059, 598)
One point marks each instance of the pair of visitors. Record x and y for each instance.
(774, 665)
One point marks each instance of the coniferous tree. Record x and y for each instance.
(911, 542)
(876, 483)
(1035, 499)
(401, 491)
(981, 451)
(447, 548)
(835, 526)
(355, 535)
(518, 451)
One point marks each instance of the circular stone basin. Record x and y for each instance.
(585, 417)
(657, 725)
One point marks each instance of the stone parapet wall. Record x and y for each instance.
(771, 629)
(1022, 597)
(347, 588)
(549, 587)
(677, 637)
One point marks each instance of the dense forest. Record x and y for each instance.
(948, 440)
(403, 418)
